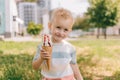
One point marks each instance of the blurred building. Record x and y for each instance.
(44, 7)
(18, 1)
(32, 11)
(8, 18)
(113, 30)
(37, 12)
(28, 12)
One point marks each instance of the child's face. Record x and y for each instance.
(60, 28)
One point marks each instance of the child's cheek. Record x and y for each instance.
(56, 31)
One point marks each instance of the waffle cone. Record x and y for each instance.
(48, 49)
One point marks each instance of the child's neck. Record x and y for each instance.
(57, 42)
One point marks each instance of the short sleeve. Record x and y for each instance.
(37, 55)
(73, 56)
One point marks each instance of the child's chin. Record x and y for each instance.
(58, 40)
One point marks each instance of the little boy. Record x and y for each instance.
(63, 58)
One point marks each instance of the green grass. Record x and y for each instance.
(97, 59)
(17, 67)
(16, 59)
(18, 47)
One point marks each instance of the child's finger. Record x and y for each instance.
(42, 50)
(44, 53)
(47, 57)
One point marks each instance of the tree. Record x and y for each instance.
(81, 23)
(34, 29)
(103, 13)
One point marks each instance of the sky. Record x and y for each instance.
(78, 7)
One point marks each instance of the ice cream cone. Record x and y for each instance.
(48, 49)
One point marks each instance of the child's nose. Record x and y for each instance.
(62, 32)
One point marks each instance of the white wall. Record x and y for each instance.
(10, 11)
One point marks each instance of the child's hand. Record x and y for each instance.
(45, 55)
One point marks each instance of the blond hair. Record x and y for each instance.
(61, 13)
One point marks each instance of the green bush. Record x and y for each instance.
(34, 29)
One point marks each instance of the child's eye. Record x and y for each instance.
(58, 27)
(65, 29)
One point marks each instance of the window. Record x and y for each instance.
(41, 3)
(14, 18)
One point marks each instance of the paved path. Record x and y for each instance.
(22, 39)
(25, 39)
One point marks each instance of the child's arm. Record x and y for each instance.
(37, 63)
(76, 71)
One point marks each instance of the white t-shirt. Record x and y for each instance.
(63, 54)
